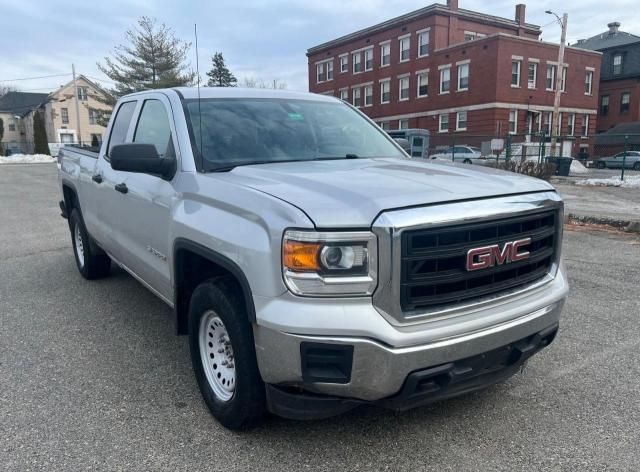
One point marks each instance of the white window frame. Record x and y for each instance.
(384, 82)
(563, 78)
(554, 70)
(588, 82)
(548, 127)
(385, 45)
(535, 75)
(442, 69)
(356, 93)
(518, 72)
(400, 123)
(401, 41)
(367, 52)
(613, 63)
(513, 113)
(419, 75)
(344, 98)
(344, 63)
(329, 69)
(559, 130)
(319, 72)
(461, 65)
(422, 34)
(402, 79)
(585, 126)
(471, 34)
(368, 88)
(466, 117)
(356, 55)
(440, 122)
(571, 124)
(624, 94)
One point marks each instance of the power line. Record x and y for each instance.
(33, 78)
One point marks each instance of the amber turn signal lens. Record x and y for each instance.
(301, 257)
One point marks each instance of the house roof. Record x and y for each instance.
(20, 103)
(609, 39)
(80, 77)
(617, 135)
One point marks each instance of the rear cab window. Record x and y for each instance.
(121, 125)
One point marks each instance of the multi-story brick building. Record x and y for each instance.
(451, 70)
(620, 77)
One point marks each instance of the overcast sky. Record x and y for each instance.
(265, 39)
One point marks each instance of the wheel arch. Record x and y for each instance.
(193, 263)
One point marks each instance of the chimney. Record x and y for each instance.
(613, 27)
(452, 4)
(520, 13)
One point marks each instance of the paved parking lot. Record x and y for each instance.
(92, 377)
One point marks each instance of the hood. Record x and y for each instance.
(351, 193)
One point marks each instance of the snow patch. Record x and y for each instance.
(26, 159)
(628, 182)
(578, 168)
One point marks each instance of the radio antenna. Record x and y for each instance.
(195, 32)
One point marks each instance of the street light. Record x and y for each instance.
(559, 73)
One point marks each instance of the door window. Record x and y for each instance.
(121, 124)
(153, 127)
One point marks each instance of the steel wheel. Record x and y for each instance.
(79, 245)
(217, 356)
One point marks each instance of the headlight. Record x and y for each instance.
(330, 264)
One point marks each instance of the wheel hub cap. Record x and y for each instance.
(217, 356)
(79, 245)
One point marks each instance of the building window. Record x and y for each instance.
(461, 121)
(585, 125)
(94, 116)
(551, 77)
(82, 94)
(423, 84)
(385, 54)
(385, 91)
(445, 79)
(463, 77)
(344, 63)
(330, 70)
(588, 82)
(320, 75)
(625, 98)
(64, 113)
(563, 80)
(532, 76)
(368, 95)
(617, 64)
(385, 125)
(357, 98)
(404, 88)
(368, 59)
(405, 47)
(12, 123)
(515, 73)
(513, 121)
(344, 94)
(423, 44)
(403, 124)
(443, 126)
(559, 130)
(604, 105)
(470, 35)
(356, 58)
(546, 122)
(571, 124)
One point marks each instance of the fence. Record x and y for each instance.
(603, 151)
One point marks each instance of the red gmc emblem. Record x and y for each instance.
(489, 256)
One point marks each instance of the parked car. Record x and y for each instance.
(314, 266)
(632, 161)
(464, 154)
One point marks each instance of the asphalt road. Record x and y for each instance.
(93, 378)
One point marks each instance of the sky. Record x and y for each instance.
(263, 39)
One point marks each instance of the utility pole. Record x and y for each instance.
(75, 94)
(559, 73)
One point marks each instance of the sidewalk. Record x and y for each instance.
(614, 206)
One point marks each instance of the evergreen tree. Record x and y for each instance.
(220, 75)
(152, 58)
(40, 134)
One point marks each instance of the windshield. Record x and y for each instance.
(252, 131)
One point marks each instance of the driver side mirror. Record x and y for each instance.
(142, 158)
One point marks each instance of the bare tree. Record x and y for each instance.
(5, 89)
(252, 82)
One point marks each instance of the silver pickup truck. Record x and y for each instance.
(314, 266)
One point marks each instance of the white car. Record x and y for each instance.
(464, 154)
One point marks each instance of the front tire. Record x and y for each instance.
(602, 165)
(223, 354)
(467, 161)
(92, 263)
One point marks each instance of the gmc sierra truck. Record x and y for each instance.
(312, 263)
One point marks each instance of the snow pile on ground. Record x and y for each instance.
(628, 182)
(26, 159)
(578, 168)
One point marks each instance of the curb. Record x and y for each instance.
(623, 225)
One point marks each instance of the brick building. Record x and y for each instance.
(619, 100)
(451, 70)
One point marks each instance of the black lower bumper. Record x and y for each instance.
(422, 386)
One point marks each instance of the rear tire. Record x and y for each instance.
(467, 161)
(223, 354)
(91, 261)
(601, 165)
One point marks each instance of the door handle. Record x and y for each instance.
(122, 188)
(97, 178)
